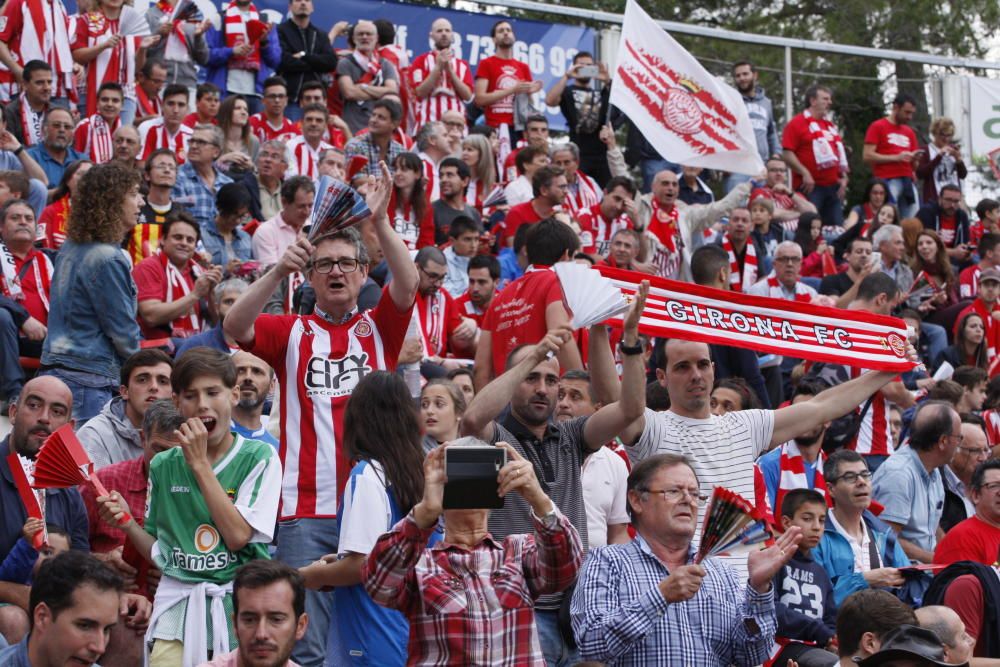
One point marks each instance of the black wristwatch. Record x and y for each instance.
(630, 350)
(18, 150)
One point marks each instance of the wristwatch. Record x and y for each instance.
(18, 150)
(630, 350)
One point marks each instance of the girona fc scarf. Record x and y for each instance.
(117, 64)
(10, 278)
(817, 333)
(586, 193)
(663, 231)
(236, 34)
(738, 282)
(46, 37)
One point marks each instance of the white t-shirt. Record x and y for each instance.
(604, 479)
(361, 529)
(721, 449)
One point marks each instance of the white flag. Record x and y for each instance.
(687, 114)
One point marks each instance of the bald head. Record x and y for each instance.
(948, 626)
(666, 187)
(45, 404)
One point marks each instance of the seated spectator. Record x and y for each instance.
(379, 143)
(582, 191)
(304, 150)
(271, 124)
(432, 147)
(970, 347)
(52, 223)
(599, 223)
(514, 260)
(888, 241)
(543, 563)
(453, 182)
(875, 196)
(114, 435)
(92, 136)
(462, 378)
(222, 238)
(484, 274)
(333, 163)
(177, 523)
(732, 394)
(15, 184)
(464, 234)
(198, 179)
(126, 147)
(865, 620)
(167, 130)
(25, 279)
(858, 550)
(264, 184)
(442, 404)
(171, 284)
(748, 259)
(973, 382)
(946, 217)
(443, 328)
(932, 269)
(957, 475)
(989, 258)
(365, 77)
(548, 186)
(224, 295)
(275, 235)
(24, 113)
(239, 145)
(809, 236)
(803, 594)
(409, 210)
(655, 573)
(764, 233)
(950, 630)
(478, 157)
(785, 281)
(529, 160)
(337, 132)
(23, 562)
(255, 381)
(626, 246)
(788, 204)
(55, 152)
(978, 537)
(984, 305)
(911, 645)
(844, 284)
(160, 176)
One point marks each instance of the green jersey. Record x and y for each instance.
(189, 546)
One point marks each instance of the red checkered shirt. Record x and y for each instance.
(472, 607)
(127, 478)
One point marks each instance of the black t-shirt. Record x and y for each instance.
(586, 111)
(443, 217)
(836, 284)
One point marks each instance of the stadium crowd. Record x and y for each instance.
(272, 411)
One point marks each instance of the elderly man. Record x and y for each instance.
(340, 346)
(432, 147)
(264, 184)
(948, 626)
(784, 281)
(909, 485)
(365, 77)
(583, 191)
(199, 180)
(126, 146)
(957, 475)
(55, 151)
(224, 295)
(978, 537)
(647, 602)
(626, 245)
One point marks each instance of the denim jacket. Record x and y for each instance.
(92, 321)
(215, 245)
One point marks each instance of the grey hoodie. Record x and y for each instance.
(110, 437)
(761, 113)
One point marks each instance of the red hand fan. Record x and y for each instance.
(28, 497)
(357, 163)
(63, 463)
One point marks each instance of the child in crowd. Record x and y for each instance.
(807, 613)
(23, 561)
(765, 234)
(212, 506)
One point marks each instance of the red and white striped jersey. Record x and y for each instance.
(264, 131)
(318, 365)
(439, 316)
(875, 433)
(303, 159)
(992, 419)
(93, 136)
(583, 194)
(153, 134)
(596, 232)
(469, 309)
(443, 98)
(968, 282)
(432, 186)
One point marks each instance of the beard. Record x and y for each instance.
(251, 403)
(810, 439)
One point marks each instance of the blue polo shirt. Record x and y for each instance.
(911, 496)
(63, 507)
(53, 170)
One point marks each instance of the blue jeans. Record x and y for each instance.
(11, 375)
(129, 109)
(826, 199)
(301, 542)
(650, 168)
(903, 192)
(554, 648)
(90, 392)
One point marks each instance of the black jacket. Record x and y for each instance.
(930, 215)
(319, 58)
(249, 181)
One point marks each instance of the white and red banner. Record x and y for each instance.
(689, 116)
(818, 333)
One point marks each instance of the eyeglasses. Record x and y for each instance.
(325, 265)
(194, 141)
(853, 477)
(164, 166)
(977, 451)
(951, 200)
(957, 438)
(992, 487)
(676, 494)
(434, 277)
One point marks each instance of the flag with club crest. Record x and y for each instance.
(689, 116)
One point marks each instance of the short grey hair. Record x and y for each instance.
(886, 233)
(278, 145)
(788, 244)
(161, 417)
(349, 235)
(217, 136)
(427, 131)
(568, 146)
(323, 153)
(232, 284)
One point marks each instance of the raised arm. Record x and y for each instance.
(403, 288)
(239, 322)
(604, 380)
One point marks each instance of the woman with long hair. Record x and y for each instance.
(478, 156)
(409, 210)
(55, 216)
(92, 320)
(240, 146)
(932, 267)
(809, 236)
(442, 404)
(876, 194)
(382, 442)
(969, 348)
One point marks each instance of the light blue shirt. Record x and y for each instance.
(457, 281)
(911, 496)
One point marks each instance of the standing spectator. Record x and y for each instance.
(761, 112)
(891, 151)
(199, 180)
(957, 475)
(550, 189)
(484, 273)
(441, 81)
(228, 244)
(585, 108)
(378, 145)
(93, 133)
(274, 236)
(443, 329)
(168, 130)
(941, 164)
(55, 217)
(113, 436)
(264, 184)
(55, 152)
(978, 537)
(306, 54)
(182, 48)
(303, 151)
(237, 65)
(646, 602)
(946, 217)
(22, 42)
(25, 112)
(160, 174)
(858, 550)
(271, 124)
(788, 203)
(453, 181)
(365, 77)
(743, 251)
(255, 380)
(503, 84)
(909, 485)
(813, 148)
(583, 191)
(352, 344)
(92, 322)
(150, 81)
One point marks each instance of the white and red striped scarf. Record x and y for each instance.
(148, 106)
(738, 282)
(153, 134)
(303, 160)
(10, 284)
(372, 66)
(8, 84)
(792, 473)
(99, 144)
(177, 45)
(46, 37)
(432, 186)
(117, 64)
(295, 281)
(683, 310)
(236, 34)
(775, 289)
(663, 230)
(992, 419)
(583, 194)
(432, 311)
(31, 123)
(178, 287)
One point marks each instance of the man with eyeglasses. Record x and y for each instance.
(443, 328)
(125, 147)
(978, 537)
(788, 204)
(957, 475)
(909, 485)
(160, 175)
(319, 360)
(857, 550)
(947, 218)
(271, 124)
(784, 281)
(264, 184)
(56, 151)
(647, 603)
(198, 180)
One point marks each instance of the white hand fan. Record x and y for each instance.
(591, 297)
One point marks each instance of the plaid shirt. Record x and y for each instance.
(364, 146)
(472, 607)
(195, 195)
(127, 478)
(621, 618)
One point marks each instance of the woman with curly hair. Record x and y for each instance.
(92, 321)
(56, 215)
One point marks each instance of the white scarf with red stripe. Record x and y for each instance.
(31, 123)
(117, 64)
(10, 284)
(683, 310)
(295, 281)
(177, 45)
(236, 34)
(664, 232)
(776, 290)
(792, 472)
(583, 194)
(45, 37)
(100, 145)
(738, 282)
(372, 65)
(432, 311)
(178, 288)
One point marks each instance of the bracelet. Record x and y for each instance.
(18, 150)
(630, 350)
